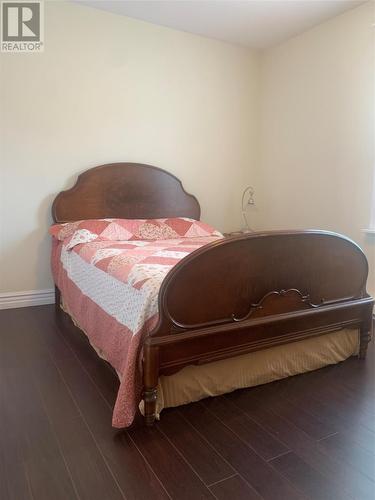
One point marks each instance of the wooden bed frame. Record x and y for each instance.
(233, 296)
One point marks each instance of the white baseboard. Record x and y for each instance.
(10, 300)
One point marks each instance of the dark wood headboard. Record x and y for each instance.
(126, 191)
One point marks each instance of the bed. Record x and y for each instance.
(221, 306)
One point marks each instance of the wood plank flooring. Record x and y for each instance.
(306, 437)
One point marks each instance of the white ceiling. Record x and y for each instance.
(252, 23)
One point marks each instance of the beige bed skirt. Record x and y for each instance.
(193, 383)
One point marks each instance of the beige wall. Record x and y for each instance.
(317, 130)
(109, 88)
(139, 92)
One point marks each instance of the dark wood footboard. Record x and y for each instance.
(253, 292)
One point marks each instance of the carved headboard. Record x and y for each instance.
(127, 191)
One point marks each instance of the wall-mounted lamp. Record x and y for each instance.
(247, 201)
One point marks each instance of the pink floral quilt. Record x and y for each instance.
(109, 272)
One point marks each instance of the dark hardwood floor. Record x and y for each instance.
(307, 437)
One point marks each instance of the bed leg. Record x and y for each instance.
(150, 381)
(57, 299)
(364, 339)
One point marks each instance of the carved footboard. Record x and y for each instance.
(256, 291)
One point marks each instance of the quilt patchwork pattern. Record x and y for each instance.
(142, 264)
(74, 233)
(110, 272)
